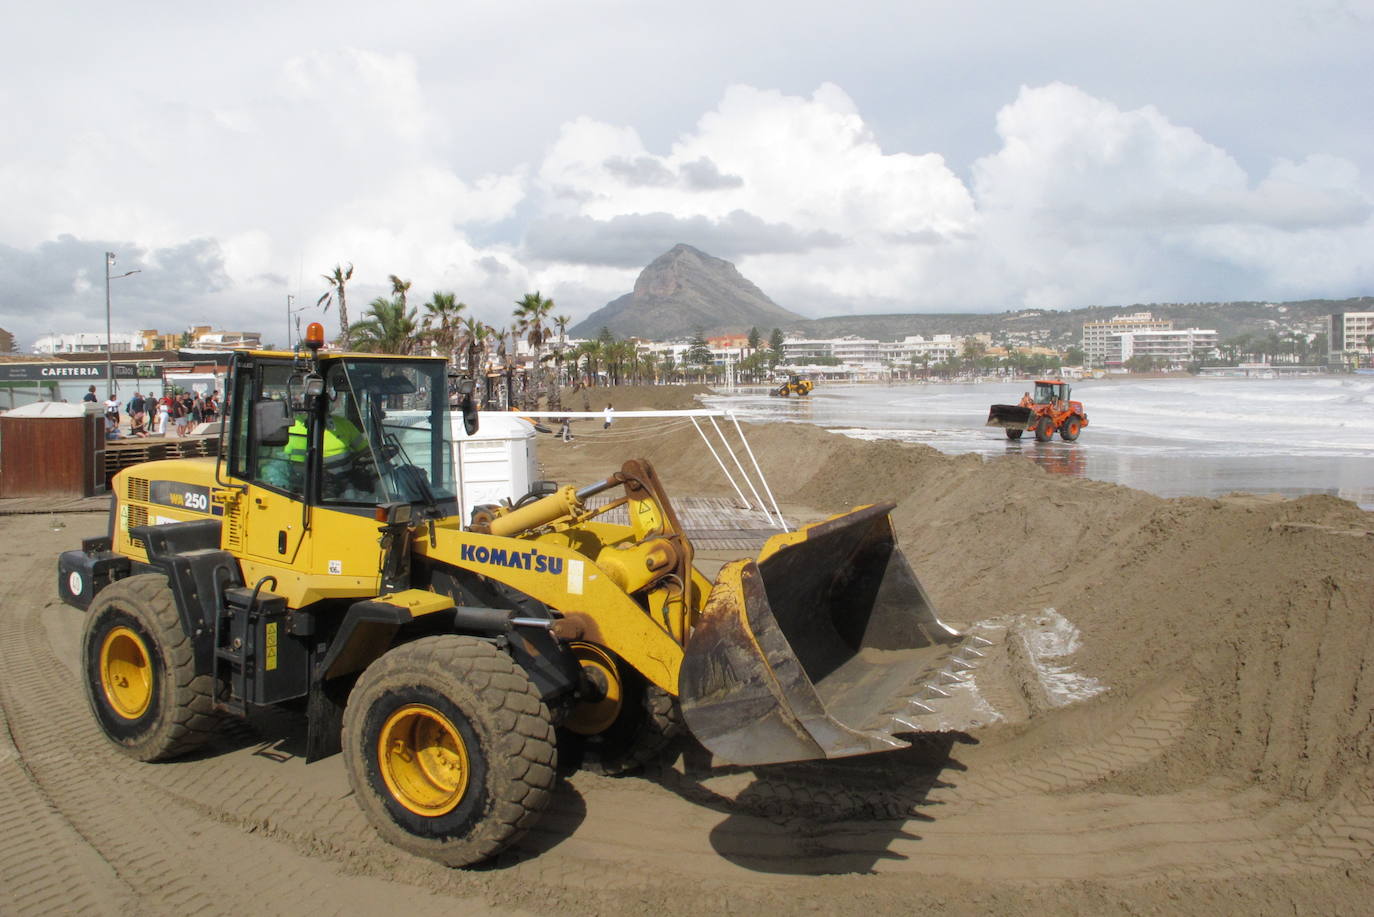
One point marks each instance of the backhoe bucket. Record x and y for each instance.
(1011, 416)
(825, 646)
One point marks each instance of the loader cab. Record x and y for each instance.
(347, 432)
(1048, 391)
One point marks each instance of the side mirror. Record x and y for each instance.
(469, 415)
(304, 391)
(271, 423)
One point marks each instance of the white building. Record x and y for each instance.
(1171, 348)
(228, 340)
(1350, 333)
(1097, 335)
(88, 342)
(916, 349)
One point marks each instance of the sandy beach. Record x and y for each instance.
(1227, 768)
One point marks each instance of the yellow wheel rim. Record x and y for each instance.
(592, 717)
(126, 672)
(423, 760)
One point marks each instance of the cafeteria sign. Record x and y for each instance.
(75, 372)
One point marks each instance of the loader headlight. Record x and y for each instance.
(393, 513)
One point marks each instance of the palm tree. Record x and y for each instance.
(531, 312)
(399, 288)
(589, 354)
(387, 328)
(556, 392)
(337, 279)
(442, 322)
(473, 332)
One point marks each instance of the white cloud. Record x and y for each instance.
(811, 164)
(348, 155)
(1087, 203)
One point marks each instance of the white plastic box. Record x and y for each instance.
(498, 462)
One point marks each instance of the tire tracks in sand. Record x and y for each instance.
(97, 833)
(87, 830)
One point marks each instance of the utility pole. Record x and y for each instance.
(109, 341)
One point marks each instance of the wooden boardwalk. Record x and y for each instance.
(709, 522)
(121, 453)
(33, 506)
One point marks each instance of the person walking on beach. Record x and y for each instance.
(608, 416)
(565, 430)
(164, 414)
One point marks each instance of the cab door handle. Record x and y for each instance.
(281, 541)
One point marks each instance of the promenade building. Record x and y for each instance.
(1350, 338)
(1097, 335)
(88, 342)
(919, 350)
(1173, 349)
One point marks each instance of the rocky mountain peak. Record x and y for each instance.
(683, 290)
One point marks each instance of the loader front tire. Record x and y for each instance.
(449, 749)
(1014, 433)
(140, 673)
(1044, 430)
(647, 722)
(1069, 429)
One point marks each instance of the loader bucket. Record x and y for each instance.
(825, 646)
(1013, 416)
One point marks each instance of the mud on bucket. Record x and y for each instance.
(811, 650)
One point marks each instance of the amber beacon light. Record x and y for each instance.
(314, 335)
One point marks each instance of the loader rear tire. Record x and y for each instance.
(1014, 434)
(1069, 429)
(1044, 430)
(449, 749)
(140, 672)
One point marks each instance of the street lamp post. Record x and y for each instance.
(109, 339)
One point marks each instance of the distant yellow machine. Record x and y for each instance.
(795, 385)
(319, 564)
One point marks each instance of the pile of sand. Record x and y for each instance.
(1227, 768)
(634, 397)
(1259, 608)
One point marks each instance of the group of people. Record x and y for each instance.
(150, 415)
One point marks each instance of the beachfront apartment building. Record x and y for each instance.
(871, 353)
(227, 340)
(89, 342)
(915, 349)
(1097, 335)
(1350, 338)
(201, 337)
(1174, 349)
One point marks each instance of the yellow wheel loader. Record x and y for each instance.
(319, 564)
(795, 385)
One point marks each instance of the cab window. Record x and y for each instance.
(282, 466)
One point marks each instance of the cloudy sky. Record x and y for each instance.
(848, 158)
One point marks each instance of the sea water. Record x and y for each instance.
(1173, 437)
